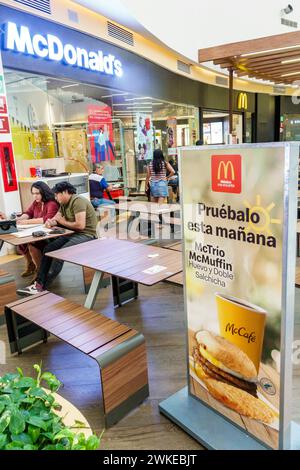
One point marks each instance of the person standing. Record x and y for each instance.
(157, 177)
(76, 213)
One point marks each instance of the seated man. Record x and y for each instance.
(98, 184)
(75, 213)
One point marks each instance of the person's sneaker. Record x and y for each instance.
(34, 288)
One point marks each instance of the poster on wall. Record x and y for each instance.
(233, 251)
(3, 105)
(4, 125)
(8, 167)
(172, 135)
(101, 136)
(144, 141)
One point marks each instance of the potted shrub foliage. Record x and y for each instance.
(28, 417)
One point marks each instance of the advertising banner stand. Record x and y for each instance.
(239, 215)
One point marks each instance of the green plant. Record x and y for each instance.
(27, 416)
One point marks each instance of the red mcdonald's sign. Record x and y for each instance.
(226, 173)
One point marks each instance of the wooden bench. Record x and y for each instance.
(7, 292)
(119, 350)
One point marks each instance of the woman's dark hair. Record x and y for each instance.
(158, 161)
(46, 193)
(64, 186)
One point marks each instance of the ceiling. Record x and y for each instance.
(188, 26)
(275, 58)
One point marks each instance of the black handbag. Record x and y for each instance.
(8, 226)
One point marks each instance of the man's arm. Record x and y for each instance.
(78, 225)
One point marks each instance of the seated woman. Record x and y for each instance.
(98, 185)
(44, 207)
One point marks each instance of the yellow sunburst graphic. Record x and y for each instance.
(264, 214)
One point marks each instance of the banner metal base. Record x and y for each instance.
(204, 425)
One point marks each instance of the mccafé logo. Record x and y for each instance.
(250, 337)
(242, 101)
(226, 173)
(47, 46)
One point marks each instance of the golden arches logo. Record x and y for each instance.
(242, 101)
(226, 167)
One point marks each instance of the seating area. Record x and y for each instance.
(119, 350)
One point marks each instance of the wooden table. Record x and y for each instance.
(121, 259)
(13, 240)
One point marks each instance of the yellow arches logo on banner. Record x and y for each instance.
(226, 166)
(242, 102)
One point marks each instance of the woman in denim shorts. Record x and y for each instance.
(157, 177)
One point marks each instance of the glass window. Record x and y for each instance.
(82, 124)
(216, 127)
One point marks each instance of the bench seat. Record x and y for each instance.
(8, 292)
(119, 350)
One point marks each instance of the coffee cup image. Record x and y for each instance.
(243, 324)
(229, 375)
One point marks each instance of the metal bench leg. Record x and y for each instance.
(15, 331)
(93, 290)
(124, 378)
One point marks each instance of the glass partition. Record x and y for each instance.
(78, 124)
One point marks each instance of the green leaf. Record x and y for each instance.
(4, 420)
(38, 422)
(5, 399)
(38, 369)
(38, 393)
(22, 438)
(92, 443)
(80, 439)
(49, 447)
(78, 447)
(34, 432)
(60, 446)
(48, 435)
(51, 380)
(17, 422)
(2, 406)
(64, 433)
(9, 378)
(20, 372)
(14, 446)
(3, 440)
(25, 382)
(17, 395)
(57, 406)
(30, 447)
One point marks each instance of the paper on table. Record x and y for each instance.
(154, 269)
(154, 255)
(23, 226)
(28, 233)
